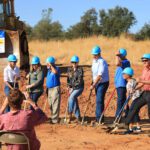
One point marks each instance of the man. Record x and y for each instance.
(120, 83)
(100, 80)
(144, 83)
(53, 86)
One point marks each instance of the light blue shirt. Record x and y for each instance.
(100, 67)
(119, 80)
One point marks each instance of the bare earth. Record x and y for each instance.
(77, 137)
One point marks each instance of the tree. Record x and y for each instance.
(116, 21)
(86, 27)
(29, 31)
(144, 33)
(45, 29)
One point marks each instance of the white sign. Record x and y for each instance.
(2, 41)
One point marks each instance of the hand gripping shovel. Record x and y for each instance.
(109, 100)
(88, 102)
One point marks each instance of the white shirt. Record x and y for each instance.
(9, 74)
(130, 87)
(100, 67)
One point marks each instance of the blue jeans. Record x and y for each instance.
(35, 96)
(73, 102)
(121, 94)
(100, 96)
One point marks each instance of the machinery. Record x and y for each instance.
(13, 38)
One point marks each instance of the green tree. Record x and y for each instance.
(45, 29)
(144, 33)
(86, 27)
(116, 21)
(29, 31)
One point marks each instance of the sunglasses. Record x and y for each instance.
(145, 60)
(74, 62)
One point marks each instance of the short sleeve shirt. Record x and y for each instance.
(9, 74)
(146, 77)
(100, 67)
(52, 79)
(130, 87)
(119, 80)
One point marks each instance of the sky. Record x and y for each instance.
(68, 12)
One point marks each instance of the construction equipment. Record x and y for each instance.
(13, 39)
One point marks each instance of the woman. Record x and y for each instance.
(18, 120)
(11, 76)
(36, 79)
(75, 84)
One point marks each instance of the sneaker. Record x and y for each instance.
(128, 131)
(137, 129)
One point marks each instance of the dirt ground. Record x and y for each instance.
(73, 136)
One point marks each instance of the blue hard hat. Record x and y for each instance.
(129, 71)
(12, 58)
(96, 50)
(146, 56)
(35, 60)
(50, 60)
(123, 52)
(75, 59)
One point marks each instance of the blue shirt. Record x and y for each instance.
(100, 67)
(52, 79)
(119, 80)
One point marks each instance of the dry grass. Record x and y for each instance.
(63, 50)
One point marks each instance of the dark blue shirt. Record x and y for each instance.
(119, 80)
(52, 79)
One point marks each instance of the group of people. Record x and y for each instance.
(14, 119)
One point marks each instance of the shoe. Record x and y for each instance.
(128, 131)
(137, 129)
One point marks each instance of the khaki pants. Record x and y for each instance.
(54, 102)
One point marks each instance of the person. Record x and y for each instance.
(144, 83)
(35, 80)
(18, 120)
(120, 83)
(53, 87)
(75, 84)
(11, 77)
(100, 82)
(134, 94)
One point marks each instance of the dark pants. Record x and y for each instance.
(7, 90)
(140, 102)
(136, 117)
(100, 96)
(35, 96)
(121, 94)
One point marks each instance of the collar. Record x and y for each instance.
(11, 68)
(96, 60)
(14, 112)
